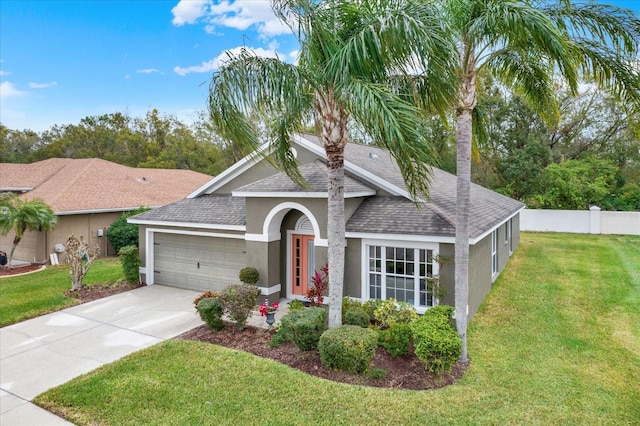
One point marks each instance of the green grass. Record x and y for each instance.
(27, 296)
(556, 342)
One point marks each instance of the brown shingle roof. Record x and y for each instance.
(69, 185)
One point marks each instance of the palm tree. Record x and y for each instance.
(525, 45)
(357, 62)
(21, 215)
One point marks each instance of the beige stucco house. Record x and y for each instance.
(87, 196)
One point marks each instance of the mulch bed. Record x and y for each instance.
(404, 372)
(89, 294)
(20, 269)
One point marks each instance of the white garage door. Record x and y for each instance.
(197, 263)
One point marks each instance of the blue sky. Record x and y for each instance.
(61, 61)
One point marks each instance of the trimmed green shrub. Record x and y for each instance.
(211, 311)
(249, 275)
(349, 303)
(356, 316)
(121, 233)
(348, 348)
(130, 259)
(370, 307)
(391, 312)
(395, 340)
(238, 301)
(295, 304)
(443, 313)
(436, 342)
(302, 326)
(205, 295)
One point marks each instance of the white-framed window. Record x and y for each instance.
(494, 252)
(405, 273)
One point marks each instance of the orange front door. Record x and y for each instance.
(302, 263)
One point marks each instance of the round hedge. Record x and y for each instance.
(348, 348)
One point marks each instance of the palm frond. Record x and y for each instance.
(505, 25)
(398, 126)
(530, 76)
(602, 23)
(251, 86)
(609, 70)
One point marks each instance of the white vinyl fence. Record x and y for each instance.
(592, 221)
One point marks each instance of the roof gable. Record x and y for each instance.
(315, 173)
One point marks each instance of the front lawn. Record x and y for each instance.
(556, 342)
(27, 296)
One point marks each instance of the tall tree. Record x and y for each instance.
(20, 215)
(525, 44)
(358, 61)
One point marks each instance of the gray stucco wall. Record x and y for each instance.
(480, 278)
(261, 169)
(447, 274)
(353, 268)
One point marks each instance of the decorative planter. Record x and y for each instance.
(271, 318)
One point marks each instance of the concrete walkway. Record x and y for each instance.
(44, 352)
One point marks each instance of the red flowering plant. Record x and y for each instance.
(265, 308)
(320, 284)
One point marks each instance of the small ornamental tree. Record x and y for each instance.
(80, 257)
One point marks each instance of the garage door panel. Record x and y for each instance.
(197, 262)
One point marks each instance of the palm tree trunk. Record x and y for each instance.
(463, 202)
(334, 139)
(335, 234)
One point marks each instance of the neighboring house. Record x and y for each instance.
(88, 195)
(252, 215)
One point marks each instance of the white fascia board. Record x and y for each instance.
(187, 225)
(229, 174)
(95, 211)
(473, 241)
(401, 237)
(299, 194)
(352, 168)
(262, 238)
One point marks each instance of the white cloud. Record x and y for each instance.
(215, 63)
(148, 71)
(188, 11)
(8, 90)
(239, 15)
(43, 85)
(4, 73)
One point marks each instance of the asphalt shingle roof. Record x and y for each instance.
(206, 209)
(376, 214)
(315, 173)
(67, 184)
(488, 208)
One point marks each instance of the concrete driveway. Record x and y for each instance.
(44, 352)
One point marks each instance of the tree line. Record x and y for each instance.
(152, 141)
(590, 157)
